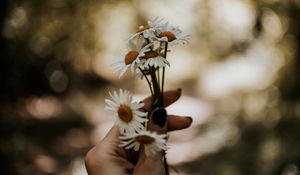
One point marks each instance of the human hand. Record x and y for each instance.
(107, 158)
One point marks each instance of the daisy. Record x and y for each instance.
(148, 30)
(171, 34)
(151, 141)
(130, 57)
(129, 119)
(153, 58)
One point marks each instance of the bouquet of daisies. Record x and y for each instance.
(146, 57)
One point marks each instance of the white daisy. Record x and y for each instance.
(154, 58)
(152, 141)
(130, 57)
(171, 34)
(148, 30)
(129, 118)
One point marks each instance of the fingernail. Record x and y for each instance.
(159, 117)
(191, 119)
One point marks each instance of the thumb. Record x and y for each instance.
(149, 165)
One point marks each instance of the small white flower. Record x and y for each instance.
(154, 58)
(130, 57)
(158, 61)
(152, 141)
(129, 119)
(148, 30)
(171, 34)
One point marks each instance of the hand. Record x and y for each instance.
(107, 158)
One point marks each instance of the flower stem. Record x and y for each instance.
(148, 81)
(157, 97)
(158, 77)
(163, 71)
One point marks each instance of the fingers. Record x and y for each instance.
(169, 97)
(175, 122)
(160, 123)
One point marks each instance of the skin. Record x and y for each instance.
(107, 158)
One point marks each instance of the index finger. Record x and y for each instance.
(169, 97)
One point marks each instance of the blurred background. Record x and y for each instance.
(239, 75)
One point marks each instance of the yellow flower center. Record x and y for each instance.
(144, 139)
(130, 57)
(142, 28)
(125, 113)
(169, 35)
(150, 54)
